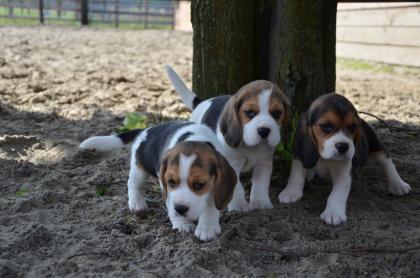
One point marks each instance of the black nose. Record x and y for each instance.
(181, 209)
(342, 147)
(263, 132)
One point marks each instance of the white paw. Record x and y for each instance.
(333, 217)
(207, 232)
(399, 188)
(261, 204)
(242, 205)
(183, 227)
(290, 195)
(137, 204)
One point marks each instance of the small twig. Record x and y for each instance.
(382, 121)
(85, 254)
(391, 128)
(350, 251)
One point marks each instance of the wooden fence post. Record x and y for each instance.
(41, 11)
(10, 4)
(146, 14)
(84, 20)
(116, 12)
(174, 9)
(58, 8)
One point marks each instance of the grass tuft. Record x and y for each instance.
(101, 191)
(21, 192)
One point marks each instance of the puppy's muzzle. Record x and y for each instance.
(263, 132)
(181, 209)
(342, 147)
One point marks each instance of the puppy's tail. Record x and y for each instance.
(111, 142)
(188, 97)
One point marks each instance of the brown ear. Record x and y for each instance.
(224, 184)
(358, 131)
(304, 144)
(287, 112)
(163, 167)
(230, 124)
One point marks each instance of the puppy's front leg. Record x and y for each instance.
(261, 174)
(396, 185)
(294, 189)
(208, 224)
(335, 212)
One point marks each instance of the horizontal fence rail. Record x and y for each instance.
(133, 13)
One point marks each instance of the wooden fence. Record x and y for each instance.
(384, 32)
(136, 13)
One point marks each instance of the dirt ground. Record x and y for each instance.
(63, 213)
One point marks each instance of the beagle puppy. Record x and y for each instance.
(247, 125)
(331, 141)
(196, 180)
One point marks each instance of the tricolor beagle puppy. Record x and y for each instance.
(330, 141)
(196, 180)
(247, 125)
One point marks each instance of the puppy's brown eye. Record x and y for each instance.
(352, 128)
(276, 114)
(171, 183)
(250, 113)
(327, 127)
(198, 186)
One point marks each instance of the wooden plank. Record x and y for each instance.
(384, 17)
(403, 36)
(387, 54)
(359, 6)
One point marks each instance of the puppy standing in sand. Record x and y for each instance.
(331, 141)
(247, 125)
(196, 180)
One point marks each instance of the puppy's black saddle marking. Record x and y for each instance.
(212, 115)
(149, 152)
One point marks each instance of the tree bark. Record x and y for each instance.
(222, 45)
(302, 53)
(289, 42)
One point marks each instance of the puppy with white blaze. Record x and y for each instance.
(331, 141)
(196, 180)
(247, 125)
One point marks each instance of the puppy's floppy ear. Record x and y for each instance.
(225, 182)
(230, 124)
(287, 112)
(304, 146)
(358, 132)
(163, 167)
(286, 104)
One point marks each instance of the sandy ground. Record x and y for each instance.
(59, 86)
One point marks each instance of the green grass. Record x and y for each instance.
(101, 191)
(21, 192)
(362, 65)
(285, 148)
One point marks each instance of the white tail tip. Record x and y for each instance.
(102, 143)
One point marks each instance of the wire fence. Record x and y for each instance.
(129, 13)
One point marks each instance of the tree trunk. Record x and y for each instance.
(289, 42)
(302, 53)
(223, 45)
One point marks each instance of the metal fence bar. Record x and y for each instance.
(141, 13)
